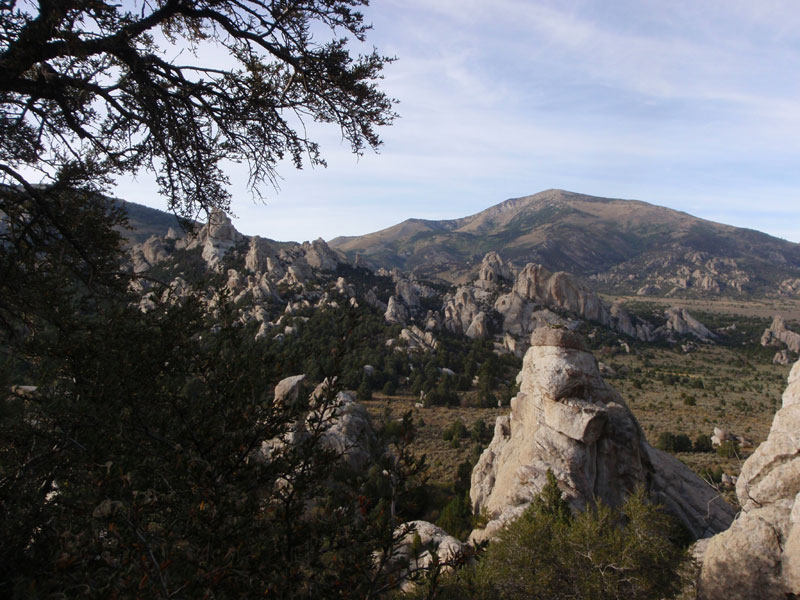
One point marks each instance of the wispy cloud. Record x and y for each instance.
(694, 105)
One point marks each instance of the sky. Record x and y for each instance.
(689, 104)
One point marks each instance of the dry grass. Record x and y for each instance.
(443, 458)
(740, 394)
(789, 308)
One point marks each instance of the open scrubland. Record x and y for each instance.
(680, 390)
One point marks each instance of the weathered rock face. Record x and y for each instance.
(461, 309)
(417, 340)
(789, 287)
(562, 290)
(396, 312)
(781, 358)
(681, 322)
(566, 418)
(258, 255)
(759, 556)
(493, 270)
(350, 431)
(408, 292)
(432, 540)
(216, 237)
(320, 256)
(777, 334)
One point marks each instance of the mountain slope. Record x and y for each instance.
(622, 245)
(146, 221)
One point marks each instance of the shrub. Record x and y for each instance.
(728, 449)
(666, 442)
(600, 554)
(479, 432)
(702, 443)
(389, 388)
(683, 443)
(456, 517)
(364, 391)
(456, 430)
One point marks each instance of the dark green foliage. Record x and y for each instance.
(714, 475)
(702, 443)
(683, 443)
(479, 432)
(364, 391)
(669, 442)
(145, 440)
(728, 449)
(550, 554)
(456, 430)
(456, 517)
(666, 442)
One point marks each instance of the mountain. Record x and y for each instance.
(146, 221)
(621, 246)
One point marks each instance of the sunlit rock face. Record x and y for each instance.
(759, 556)
(567, 419)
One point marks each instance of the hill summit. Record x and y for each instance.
(620, 246)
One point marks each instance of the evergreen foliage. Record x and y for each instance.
(550, 554)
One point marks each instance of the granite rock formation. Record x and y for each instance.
(777, 334)
(567, 419)
(759, 556)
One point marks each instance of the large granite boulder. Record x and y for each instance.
(419, 542)
(319, 255)
(396, 312)
(215, 238)
(759, 556)
(567, 419)
(492, 271)
(681, 322)
(461, 309)
(777, 334)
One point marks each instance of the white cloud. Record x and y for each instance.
(692, 105)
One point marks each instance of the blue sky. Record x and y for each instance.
(694, 105)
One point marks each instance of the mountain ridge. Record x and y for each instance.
(605, 239)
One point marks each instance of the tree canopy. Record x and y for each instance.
(90, 90)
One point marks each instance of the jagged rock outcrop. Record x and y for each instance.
(215, 238)
(789, 287)
(564, 291)
(479, 327)
(320, 256)
(781, 358)
(261, 257)
(150, 252)
(372, 300)
(681, 322)
(777, 334)
(431, 540)
(461, 309)
(759, 556)
(396, 312)
(417, 340)
(561, 290)
(493, 270)
(408, 292)
(566, 418)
